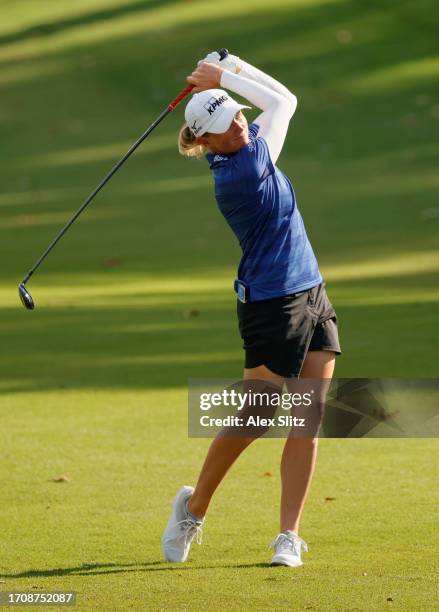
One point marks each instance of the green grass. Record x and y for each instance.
(99, 533)
(138, 298)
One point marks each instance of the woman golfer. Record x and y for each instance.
(286, 320)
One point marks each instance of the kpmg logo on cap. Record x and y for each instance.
(214, 103)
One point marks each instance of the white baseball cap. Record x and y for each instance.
(211, 110)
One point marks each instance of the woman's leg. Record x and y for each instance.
(299, 454)
(222, 453)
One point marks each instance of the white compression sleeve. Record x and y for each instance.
(253, 73)
(276, 106)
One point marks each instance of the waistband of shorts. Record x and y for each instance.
(243, 291)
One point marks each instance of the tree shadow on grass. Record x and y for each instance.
(54, 27)
(162, 345)
(318, 73)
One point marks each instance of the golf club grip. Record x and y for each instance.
(183, 93)
(187, 90)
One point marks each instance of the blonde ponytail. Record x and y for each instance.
(187, 145)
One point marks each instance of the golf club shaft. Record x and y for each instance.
(184, 92)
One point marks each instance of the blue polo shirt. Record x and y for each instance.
(258, 202)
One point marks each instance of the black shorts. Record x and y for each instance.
(279, 332)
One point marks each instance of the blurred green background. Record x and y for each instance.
(137, 298)
(79, 83)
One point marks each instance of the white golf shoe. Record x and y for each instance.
(181, 529)
(287, 548)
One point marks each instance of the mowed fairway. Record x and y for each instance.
(138, 298)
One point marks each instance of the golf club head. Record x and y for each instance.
(25, 297)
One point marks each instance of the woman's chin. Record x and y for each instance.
(233, 146)
(238, 143)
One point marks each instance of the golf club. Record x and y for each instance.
(24, 294)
